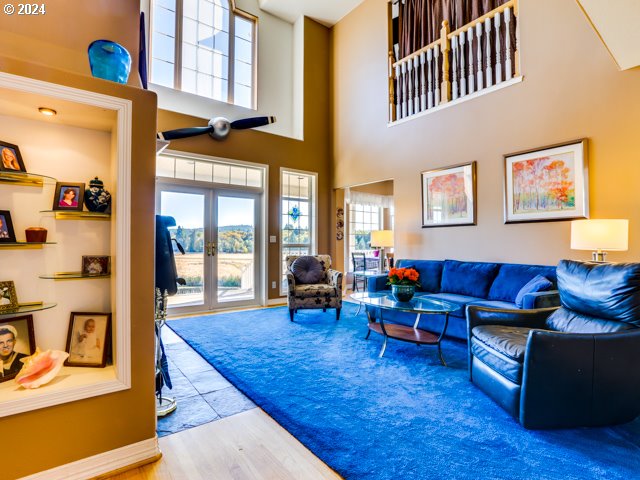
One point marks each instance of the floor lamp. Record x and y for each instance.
(382, 239)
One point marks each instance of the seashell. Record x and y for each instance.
(40, 368)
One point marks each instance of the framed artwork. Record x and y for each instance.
(96, 265)
(7, 234)
(16, 342)
(547, 184)
(88, 339)
(8, 296)
(11, 158)
(449, 196)
(68, 196)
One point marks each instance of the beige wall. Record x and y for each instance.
(571, 89)
(378, 188)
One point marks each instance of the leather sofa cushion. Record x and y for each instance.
(505, 366)
(472, 279)
(512, 277)
(460, 300)
(608, 291)
(312, 291)
(430, 273)
(506, 340)
(563, 320)
(307, 270)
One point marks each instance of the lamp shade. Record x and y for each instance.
(602, 234)
(382, 238)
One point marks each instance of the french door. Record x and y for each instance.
(220, 231)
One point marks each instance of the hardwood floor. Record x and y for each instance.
(246, 446)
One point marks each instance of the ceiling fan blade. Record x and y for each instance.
(252, 122)
(184, 133)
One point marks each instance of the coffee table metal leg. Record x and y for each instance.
(384, 332)
(359, 307)
(444, 329)
(415, 325)
(384, 347)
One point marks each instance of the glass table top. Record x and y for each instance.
(418, 304)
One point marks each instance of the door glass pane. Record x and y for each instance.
(188, 211)
(236, 249)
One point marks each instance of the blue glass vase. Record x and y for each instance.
(110, 61)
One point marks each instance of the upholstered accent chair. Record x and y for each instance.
(575, 366)
(324, 293)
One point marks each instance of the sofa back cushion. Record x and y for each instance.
(512, 277)
(430, 273)
(609, 291)
(564, 320)
(468, 278)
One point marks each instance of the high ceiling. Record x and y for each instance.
(327, 12)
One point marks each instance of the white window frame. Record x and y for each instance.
(351, 222)
(313, 221)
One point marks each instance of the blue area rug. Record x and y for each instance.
(400, 417)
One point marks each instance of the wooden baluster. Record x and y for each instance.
(436, 69)
(404, 89)
(416, 83)
(496, 24)
(516, 53)
(392, 110)
(423, 83)
(409, 65)
(463, 77)
(429, 78)
(479, 73)
(507, 43)
(444, 41)
(487, 31)
(398, 93)
(472, 77)
(454, 67)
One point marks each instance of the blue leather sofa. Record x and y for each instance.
(576, 366)
(468, 283)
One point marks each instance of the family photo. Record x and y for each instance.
(7, 235)
(11, 158)
(87, 339)
(68, 196)
(16, 342)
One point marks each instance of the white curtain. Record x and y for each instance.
(362, 198)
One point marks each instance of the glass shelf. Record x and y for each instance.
(72, 276)
(76, 215)
(26, 308)
(26, 179)
(24, 245)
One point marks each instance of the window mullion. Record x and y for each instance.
(232, 56)
(177, 72)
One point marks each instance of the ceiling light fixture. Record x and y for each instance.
(49, 112)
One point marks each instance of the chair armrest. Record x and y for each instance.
(550, 298)
(499, 316)
(574, 379)
(291, 282)
(335, 279)
(377, 283)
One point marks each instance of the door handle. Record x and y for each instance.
(213, 249)
(210, 249)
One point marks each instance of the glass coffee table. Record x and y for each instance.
(418, 305)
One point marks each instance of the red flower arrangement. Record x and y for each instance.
(403, 276)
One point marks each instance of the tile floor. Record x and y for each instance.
(203, 394)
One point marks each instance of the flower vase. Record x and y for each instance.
(403, 293)
(110, 61)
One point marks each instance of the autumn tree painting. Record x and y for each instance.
(544, 184)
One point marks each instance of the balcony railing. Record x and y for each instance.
(477, 56)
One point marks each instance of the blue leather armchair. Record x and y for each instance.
(574, 366)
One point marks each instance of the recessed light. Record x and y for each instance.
(49, 112)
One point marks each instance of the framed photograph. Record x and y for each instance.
(547, 184)
(16, 342)
(449, 196)
(68, 196)
(7, 234)
(96, 265)
(89, 339)
(11, 158)
(8, 296)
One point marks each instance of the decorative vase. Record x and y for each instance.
(96, 198)
(36, 234)
(109, 60)
(403, 293)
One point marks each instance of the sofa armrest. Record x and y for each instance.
(550, 298)
(574, 379)
(376, 283)
(291, 282)
(335, 279)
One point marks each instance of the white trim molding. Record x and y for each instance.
(102, 463)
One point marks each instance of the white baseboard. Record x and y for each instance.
(102, 463)
(277, 301)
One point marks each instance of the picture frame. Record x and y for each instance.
(88, 339)
(8, 296)
(449, 196)
(11, 158)
(17, 341)
(96, 265)
(547, 184)
(7, 233)
(62, 199)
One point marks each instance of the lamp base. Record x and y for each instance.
(599, 256)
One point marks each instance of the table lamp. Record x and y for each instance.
(600, 235)
(382, 239)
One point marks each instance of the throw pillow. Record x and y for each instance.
(307, 270)
(536, 284)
